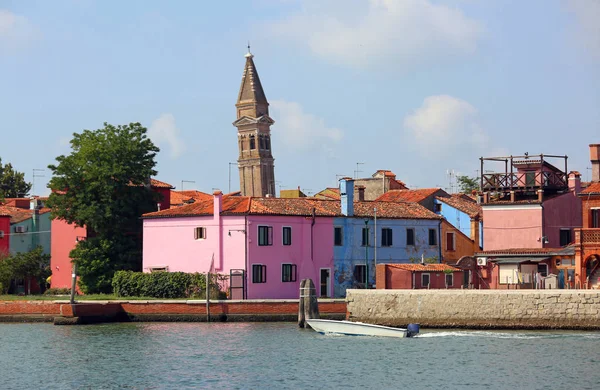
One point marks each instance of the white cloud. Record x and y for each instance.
(302, 130)
(400, 34)
(587, 34)
(15, 30)
(163, 131)
(444, 125)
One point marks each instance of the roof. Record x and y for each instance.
(568, 250)
(179, 198)
(468, 207)
(159, 184)
(393, 210)
(18, 214)
(409, 195)
(592, 189)
(518, 260)
(232, 205)
(295, 193)
(435, 267)
(329, 193)
(242, 205)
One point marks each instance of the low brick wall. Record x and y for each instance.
(522, 309)
(162, 310)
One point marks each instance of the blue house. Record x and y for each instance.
(372, 232)
(464, 214)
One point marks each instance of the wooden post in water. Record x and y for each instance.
(208, 296)
(308, 306)
(73, 283)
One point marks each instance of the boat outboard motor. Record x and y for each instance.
(412, 330)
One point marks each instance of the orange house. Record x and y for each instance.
(418, 276)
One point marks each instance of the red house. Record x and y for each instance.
(65, 237)
(419, 276)
(4, 230)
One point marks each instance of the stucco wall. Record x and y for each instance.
(512, 226)
(352, 253)
(36, 233)
(63, 240)
(568, 309)
(561, 212)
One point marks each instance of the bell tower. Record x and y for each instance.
(255, 161)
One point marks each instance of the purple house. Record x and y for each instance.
(265, 245)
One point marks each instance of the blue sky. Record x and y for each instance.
(419, 87)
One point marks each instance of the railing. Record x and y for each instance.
(587, 236)
(524, 180)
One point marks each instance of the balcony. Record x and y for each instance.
(587, 236)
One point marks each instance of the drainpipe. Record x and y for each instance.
(312, 224)
(440, 240)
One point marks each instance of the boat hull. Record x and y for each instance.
(355, 328)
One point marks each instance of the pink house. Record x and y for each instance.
(265, 245)
(534, 205)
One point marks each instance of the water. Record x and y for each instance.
(280, 356)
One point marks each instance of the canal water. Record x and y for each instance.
(281, 356)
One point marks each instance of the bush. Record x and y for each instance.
(57, 291)
(164, 285)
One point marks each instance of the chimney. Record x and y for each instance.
(217, 204)
(347, 196)
(540, 194)
(575, 182)
(595, 159)
(361, 193)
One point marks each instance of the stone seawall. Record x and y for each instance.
(519, 309)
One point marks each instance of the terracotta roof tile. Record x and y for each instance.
(329, 193)
(592, 189)
(179, 198)
(295, 206)
(470, 208)
(159, 184)
(232, 205)
(18, 214)
(529, 251)
(393, 210)
(424, 267)
(410, 195)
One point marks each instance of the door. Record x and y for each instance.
(324, 283)
(530, 179)
(466, 277)
(561, 278)
(237, 285)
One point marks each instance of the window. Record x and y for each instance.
(565, 237)
(200, 233)
(159, 268)
(386, 237)
(437, 207)
(595, 222)
(287, 235)
(338, 239)
(365, 237)
(450, 241)
(262, 142)
(425, 280)
(432, 237)
(542, 269)
(360, 273)
(265, 235)
(530, 179)
(410, 237)
(268, 143)
(449, 280)
(288, 272)
(252, 142)
(259, 273)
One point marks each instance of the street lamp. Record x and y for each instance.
(366, 253)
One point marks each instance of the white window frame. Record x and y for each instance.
(293, 274)
(283, 235)
(341, 235)
(200, 233)
(328, 282)
(263, 270)
(451, 279)
(428, 277)
(269, 235)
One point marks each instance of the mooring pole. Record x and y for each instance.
(73, 283)
(208, 296)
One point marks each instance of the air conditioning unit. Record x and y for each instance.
(1, 233)
(482, 261)
(20, 229)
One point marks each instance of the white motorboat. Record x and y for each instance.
(361, 328)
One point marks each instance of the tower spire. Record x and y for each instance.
(255, 162)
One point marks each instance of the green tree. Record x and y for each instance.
(24, 266)
(103, 185)
(467, 184)
(12, 183)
